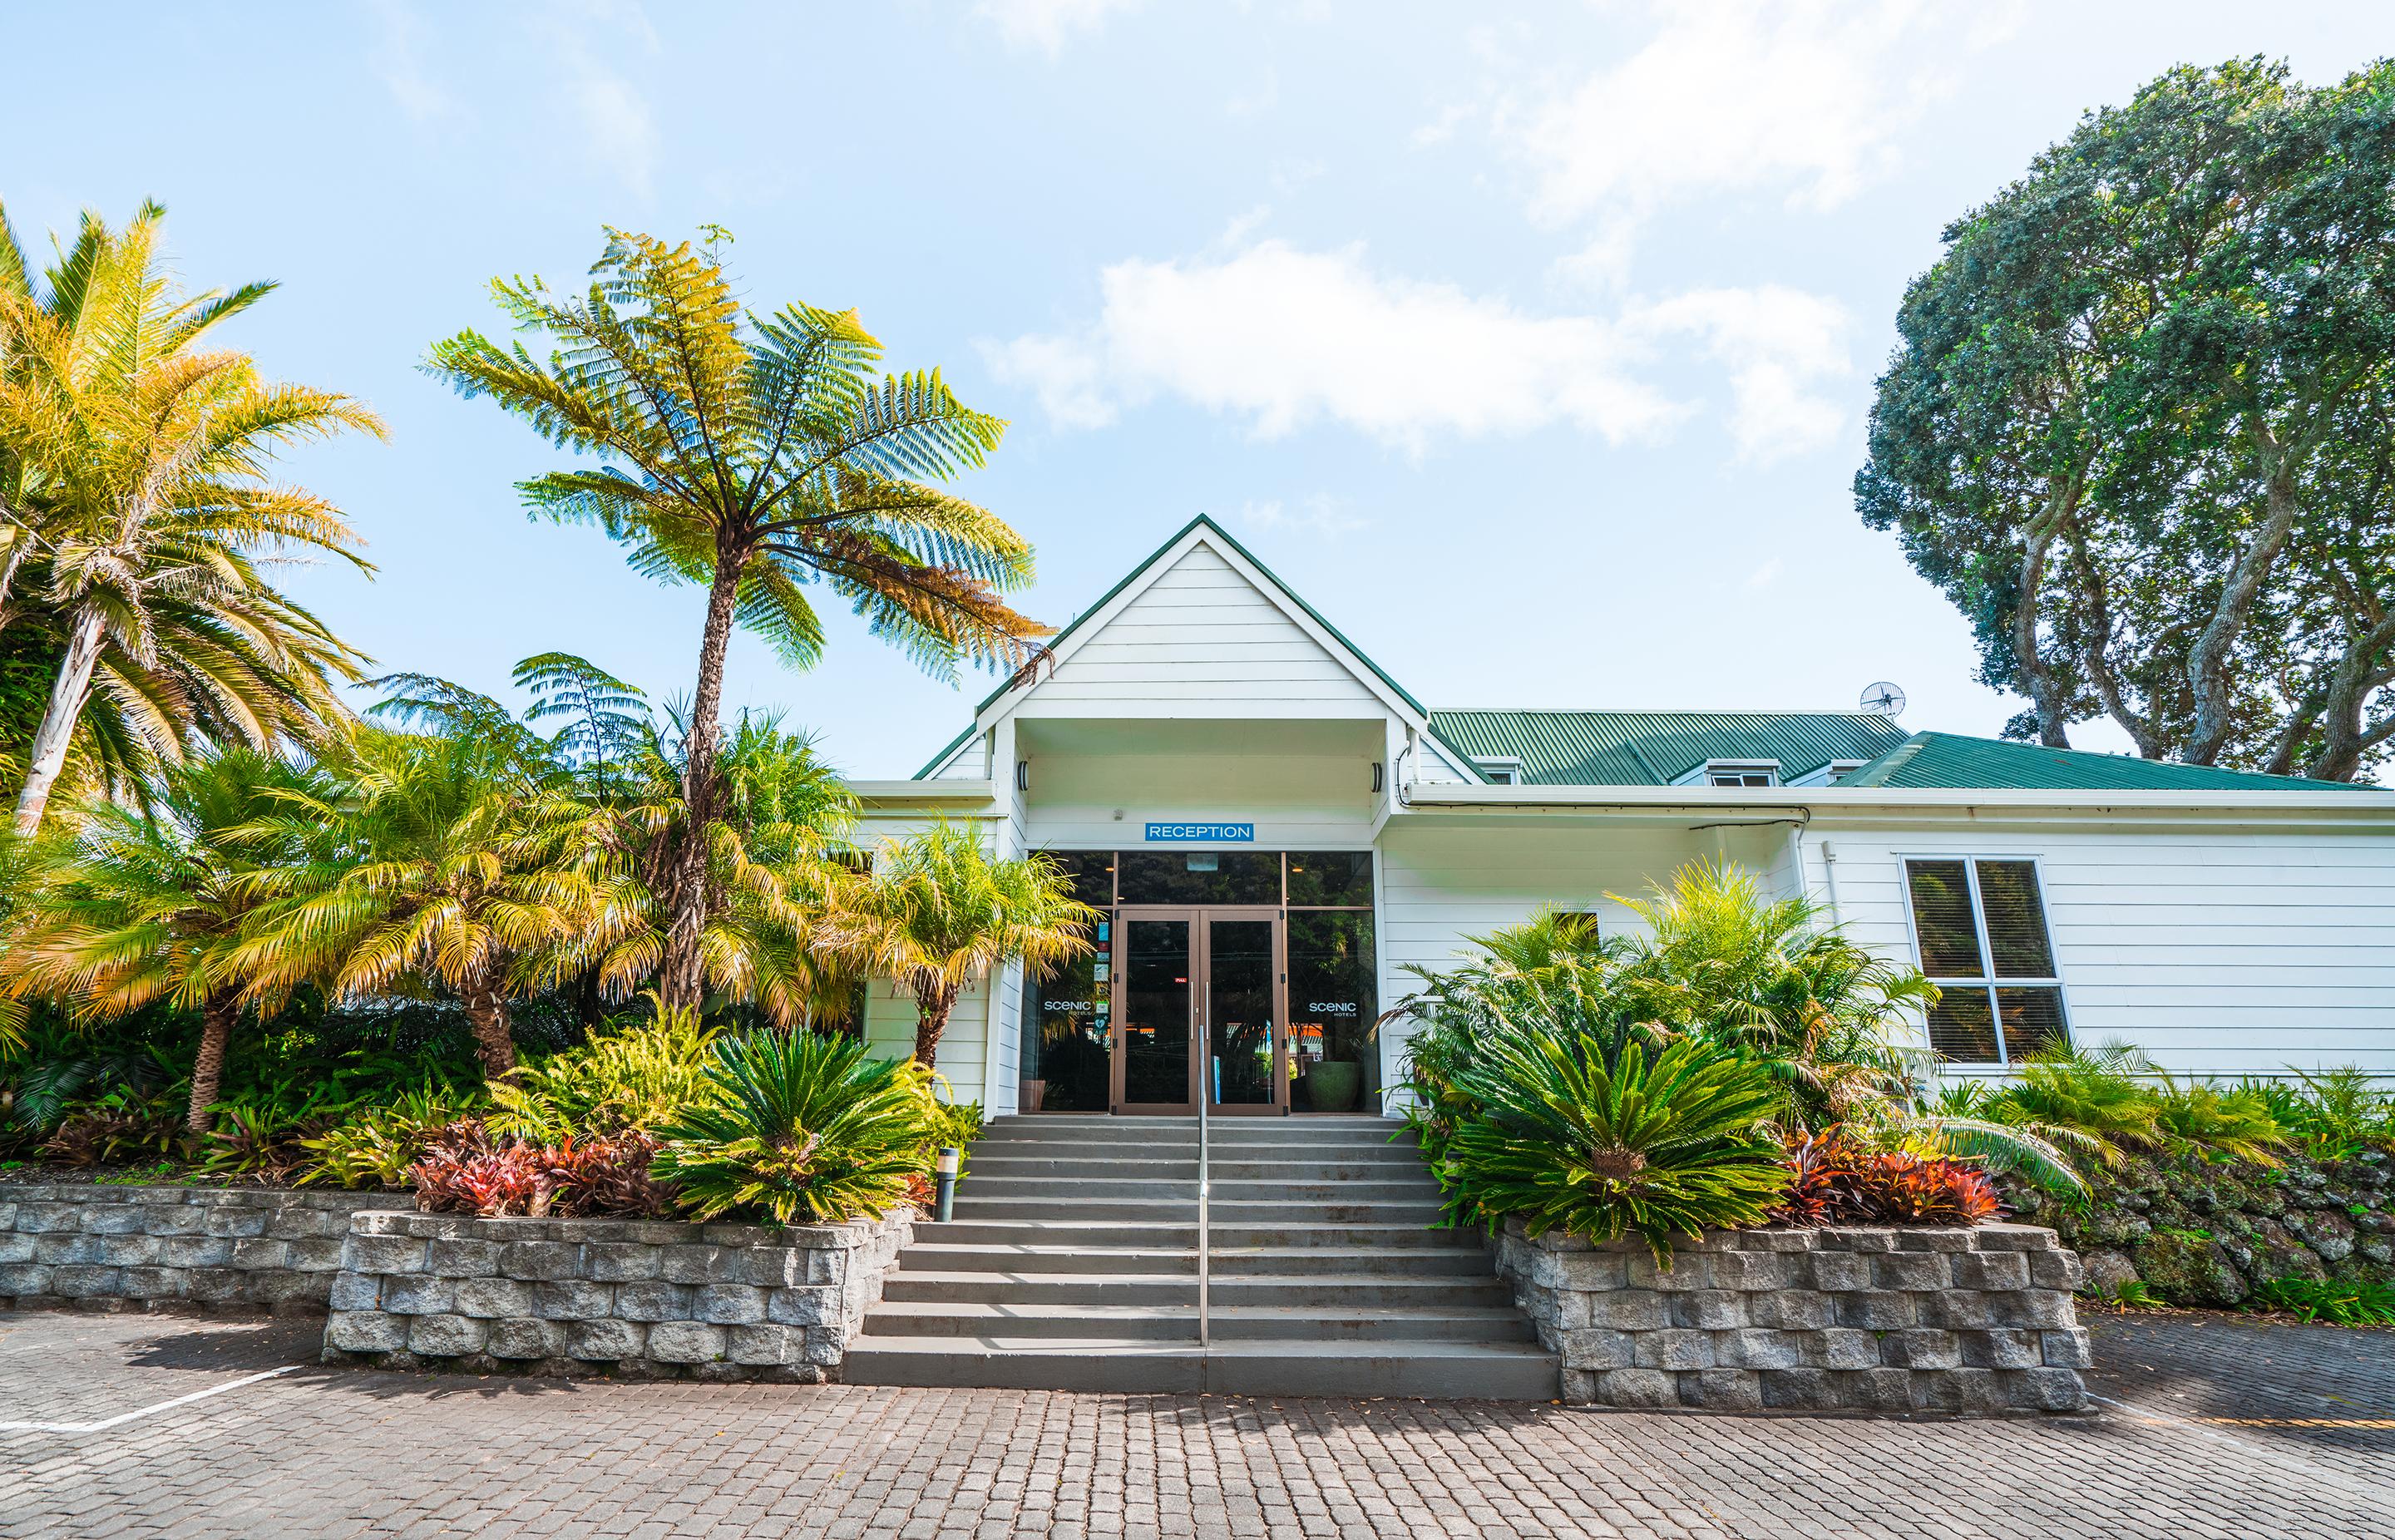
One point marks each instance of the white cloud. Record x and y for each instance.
(1318, 513)
(1807, 97)
(398, 60)
(1777, 344)
(1284, 337)
(618, 131)
(1047, 24)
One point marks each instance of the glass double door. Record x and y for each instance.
(1200, 1010)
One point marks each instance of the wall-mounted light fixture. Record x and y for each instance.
(1376, 777)
(1023, 775)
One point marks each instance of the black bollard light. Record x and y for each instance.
(943, 1195)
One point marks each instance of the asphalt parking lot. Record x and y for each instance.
(129, 1425)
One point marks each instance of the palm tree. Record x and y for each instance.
(136, 466)
(138, 908)
(755, 455)
(936, 912)
(774, 853)
(443, 862)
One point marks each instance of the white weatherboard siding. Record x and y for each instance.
(1318, 802)
(2218, 954)
(1200, 639)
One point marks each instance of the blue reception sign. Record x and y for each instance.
(1202, 834)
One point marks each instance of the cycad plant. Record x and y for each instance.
(140, 907)
(136, 466)
(803, 1127)
(754, 456)
(1600, 1139)
(938, 912)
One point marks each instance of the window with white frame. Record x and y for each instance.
(1978, 924)
(1840, 769)
(1500, 771)
(1741, 772)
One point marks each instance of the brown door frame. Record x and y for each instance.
(1199, 919)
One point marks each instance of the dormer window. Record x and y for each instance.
(1840, 769)
(1741, 772)
(1501, 771)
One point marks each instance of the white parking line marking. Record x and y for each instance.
(144, 1411)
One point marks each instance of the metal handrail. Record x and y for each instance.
(1205, 1316)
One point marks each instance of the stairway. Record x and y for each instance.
(1071, 1264)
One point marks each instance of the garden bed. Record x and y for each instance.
(1975, 1321)
(98, 1245)
(640, 1298)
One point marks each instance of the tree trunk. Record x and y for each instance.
(486, 1013)
(2044, 690)
(932, 1004)
(207, 1070)
(2208, 660)
(50, 740)
(18, 549)
(679, 978)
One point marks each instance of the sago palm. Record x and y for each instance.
(137, 468)
(443, 866)
(937, 911)
(754, 456)
(136, 908)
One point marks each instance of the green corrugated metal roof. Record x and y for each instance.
(1943, 759)
(1655, 748)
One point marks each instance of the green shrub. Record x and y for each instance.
(633, 1080)
(1601, 1139)
(2222, 1126)
(799, 1127)
(2344, 1302)
(376, 1147)
(2331, 1115)
(954, 1125)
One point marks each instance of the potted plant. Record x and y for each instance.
(1331, 1084)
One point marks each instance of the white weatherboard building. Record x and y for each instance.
(1276, 828)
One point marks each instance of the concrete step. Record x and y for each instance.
(1323, 1294)
(971, 1205)
(1074, 1166)
(1280, 1261)
(1496, 1371)
(986, 1231)
(1178, 1320)
(1083, 1187)
(1026, 1290)
(1316, 1168)
(1008, 1260)
(1243, 1190)
(1230, 1239)
(1230, 1212)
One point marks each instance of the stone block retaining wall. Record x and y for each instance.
(92, 1247)
(579, 1297)
(1974, 1321)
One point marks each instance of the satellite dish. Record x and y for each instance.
(1884, 699)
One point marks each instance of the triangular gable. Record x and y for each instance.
(1203, 628)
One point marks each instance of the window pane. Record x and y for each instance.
(1200, 876)
(1331, 1007)
(1067, 1039)
(1156, 1011)
(1330, 877)
(2016, 920)
(1093, 873)
(1961, 1029)
(1941, 916)
(2032, 1020)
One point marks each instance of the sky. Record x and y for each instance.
(1532, 343)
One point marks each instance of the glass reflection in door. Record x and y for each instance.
(1155, 956)
(1239, 969)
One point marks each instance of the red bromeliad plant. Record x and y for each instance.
(1835, 1180)
(464, 1171)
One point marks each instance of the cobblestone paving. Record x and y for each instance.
(354, 1453)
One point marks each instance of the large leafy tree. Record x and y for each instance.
(756, 456)
(938, 912)
(2133, 426)
(139, 907)
(135, 471)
